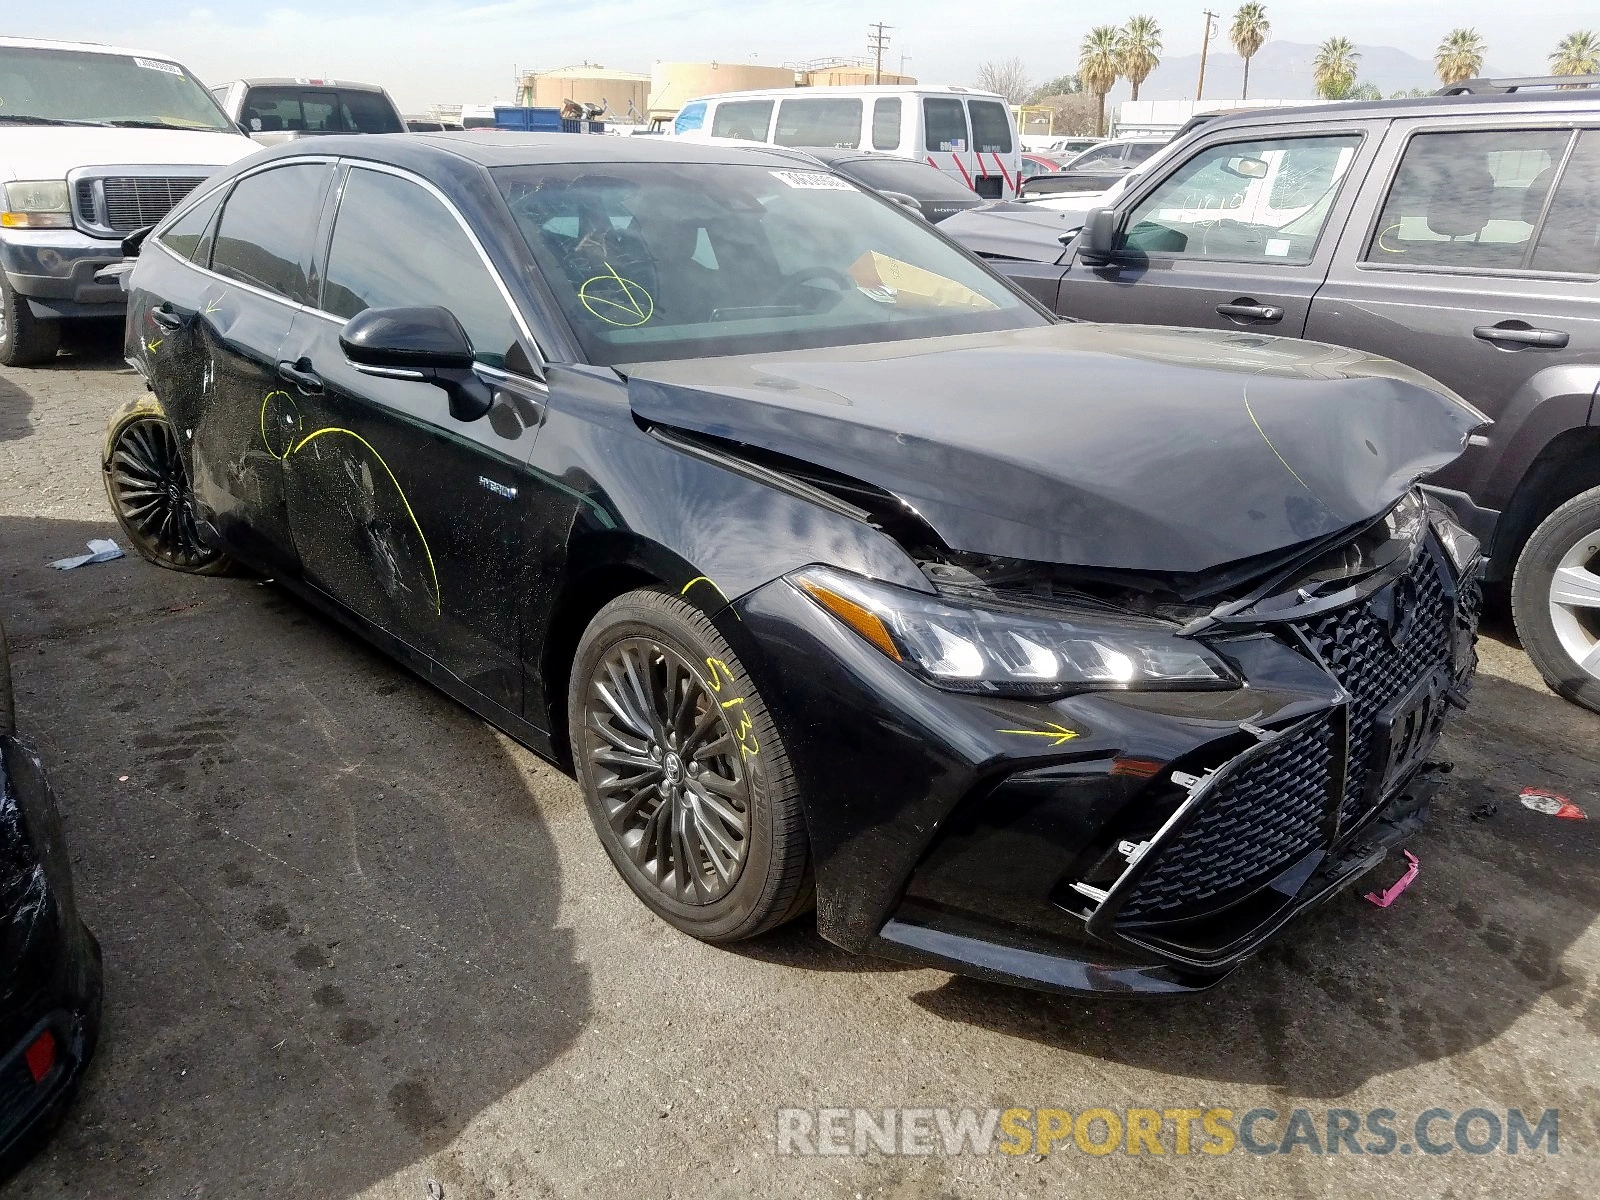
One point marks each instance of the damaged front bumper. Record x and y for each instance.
(1122, 842)
(50, 970)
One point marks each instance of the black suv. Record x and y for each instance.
(1458, 234)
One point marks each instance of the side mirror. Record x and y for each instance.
(1101, 241)
(131, 243)
(425, 344)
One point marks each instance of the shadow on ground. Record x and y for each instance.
(15, 407)
(325, 894)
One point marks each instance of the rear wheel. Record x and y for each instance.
(685, 776)
(149, 490)
(25, 341)
(1555, 598)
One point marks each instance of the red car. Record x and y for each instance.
(1041, 164)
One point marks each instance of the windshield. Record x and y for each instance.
(915, 179)
(39, 86)
(675, 260)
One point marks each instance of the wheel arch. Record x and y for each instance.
(1568, 465)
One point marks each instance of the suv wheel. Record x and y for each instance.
(25, 341)
(1555, 598)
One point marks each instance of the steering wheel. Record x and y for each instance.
(790, 292)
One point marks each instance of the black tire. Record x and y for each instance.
(8, 706)
(1568, 541)
(724, 730)
(25, 341)
(148, 487)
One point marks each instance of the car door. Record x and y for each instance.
(259, 274)
(409, 518)
(1237, 234)
(1477, 261)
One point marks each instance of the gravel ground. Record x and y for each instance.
(358, 943)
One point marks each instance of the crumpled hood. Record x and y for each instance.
(1111, 446)
(50, 151)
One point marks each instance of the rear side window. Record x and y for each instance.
(185, 236)
(746, 119)
(396, 245)
(886, 123)
(991, 126)
(1570, 240)
(1098, 156)
(1468, 200)
(945, 119)
(367, 112)
(267, 228)
(822, 121)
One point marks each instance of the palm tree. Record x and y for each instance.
(1139, 50)
(1577, 54)
(1099, 64)
(1333, 70)
(1250, 29)
(1459, 56)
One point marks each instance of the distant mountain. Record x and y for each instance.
(1281, 71)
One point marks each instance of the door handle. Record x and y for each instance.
(163, 316)
(301, 375)
(1249, 310)
(1522, 335)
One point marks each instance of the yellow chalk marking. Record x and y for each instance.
(415, 524)
(155, 345)
(1273, 448)
(265, 440)
(635, 307)
(1060, 734)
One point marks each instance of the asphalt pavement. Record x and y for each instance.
(358, 943)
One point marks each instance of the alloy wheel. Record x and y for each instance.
(669, 771)
(152, 493)
(1575, 603)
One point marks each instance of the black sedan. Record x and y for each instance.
(49, 962)
(916, 185)
(774, 514)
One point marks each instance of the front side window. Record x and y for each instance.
(396, 245)
(886, 123)
(185, 235)
(1263, 201)
(671, 260)
(991, 126)
(267, 226)
(1467, 200)
(830, 121)
(39, 86)
(945, 119)
(1570, 240)
(744, 119)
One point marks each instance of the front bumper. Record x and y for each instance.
(55, 269)
(1143, 843)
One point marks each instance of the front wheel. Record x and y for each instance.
(25, 341)
(684, 773)
(1555, 599)
(148, 487)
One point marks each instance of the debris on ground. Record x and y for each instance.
(1551, 804)
(1486, 810)
(100, 550)
(434, 1188)
(1391, 894)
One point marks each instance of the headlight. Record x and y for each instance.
(998, 649)
(37, 204)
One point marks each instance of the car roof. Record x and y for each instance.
(285, 81)
(1545, 103)
(84, 48)
(846, 89)
(496, 148)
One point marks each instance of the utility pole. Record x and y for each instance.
(1200, 88)
(878, 42)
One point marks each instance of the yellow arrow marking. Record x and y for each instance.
(1059, 734)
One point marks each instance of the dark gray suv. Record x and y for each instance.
(1459, 235)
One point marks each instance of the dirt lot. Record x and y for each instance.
(357, 941)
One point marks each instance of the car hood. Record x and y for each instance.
(1105, 446)
(1011, 229)
(50, 151)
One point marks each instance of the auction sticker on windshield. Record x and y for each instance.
(816, 181)
(155, 64)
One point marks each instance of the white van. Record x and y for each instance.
(968, 134)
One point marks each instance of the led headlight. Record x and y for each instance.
(36, 204)
(1018, 651)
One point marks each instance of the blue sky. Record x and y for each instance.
(429, 50)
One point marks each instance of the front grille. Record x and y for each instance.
(1378, 659)
(134, 201)
(1256, 821)
(83, 196)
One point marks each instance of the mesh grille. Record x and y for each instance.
(1254, 824)
(84, 198)
(1376, 666)
(134, 201)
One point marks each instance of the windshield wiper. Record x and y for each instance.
(121, 124)
(24, 119)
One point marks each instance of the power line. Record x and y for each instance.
(878, 42)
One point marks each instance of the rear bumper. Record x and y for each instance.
(55, 269)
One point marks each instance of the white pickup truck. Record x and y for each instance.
(95, 142)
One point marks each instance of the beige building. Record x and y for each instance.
(672, 84)
(623, 94)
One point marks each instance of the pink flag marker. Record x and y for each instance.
(1386, 898)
